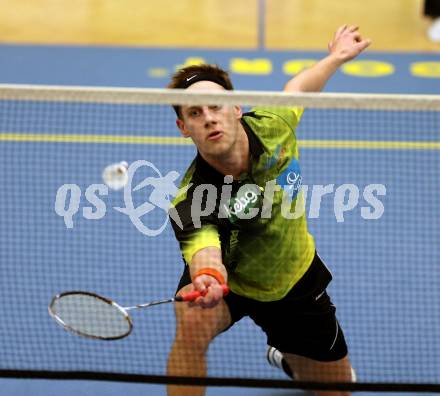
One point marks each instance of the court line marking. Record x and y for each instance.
(179, 141)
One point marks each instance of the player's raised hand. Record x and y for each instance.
(347, 43)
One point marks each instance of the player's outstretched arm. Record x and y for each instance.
(347, 43)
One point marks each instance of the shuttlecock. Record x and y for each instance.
(115, 176)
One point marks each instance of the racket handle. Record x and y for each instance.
(191, 296)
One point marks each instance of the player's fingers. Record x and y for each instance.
(357, 37)
(209, 301)
(199, 284)
(205, 302)
(197, 302)
(214, 295)
(340, 30)
(353, 28)
(363, 44)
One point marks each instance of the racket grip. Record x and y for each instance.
(191, 296)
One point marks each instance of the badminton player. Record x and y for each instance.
(269, 261)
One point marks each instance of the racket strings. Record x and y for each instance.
(91, 316)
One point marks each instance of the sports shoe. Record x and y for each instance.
(276, 359)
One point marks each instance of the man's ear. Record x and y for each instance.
(238, 112)
(181, 125)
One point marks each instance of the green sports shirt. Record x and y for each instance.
(258, 221)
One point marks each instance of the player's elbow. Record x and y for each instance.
(293, 86)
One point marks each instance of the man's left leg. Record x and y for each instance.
(306, 369)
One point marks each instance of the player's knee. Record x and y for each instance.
(196, 327)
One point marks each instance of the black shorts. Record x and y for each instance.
(302, 323)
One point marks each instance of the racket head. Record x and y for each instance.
(90, 315)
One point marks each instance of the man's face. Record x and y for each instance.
(213, 129)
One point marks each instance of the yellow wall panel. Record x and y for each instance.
(289, 24)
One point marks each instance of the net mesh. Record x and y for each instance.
(370, 164)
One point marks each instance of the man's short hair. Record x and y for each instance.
(189, 75)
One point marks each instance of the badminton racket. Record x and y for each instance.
(93, 316)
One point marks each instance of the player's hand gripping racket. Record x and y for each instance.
(93, 316)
